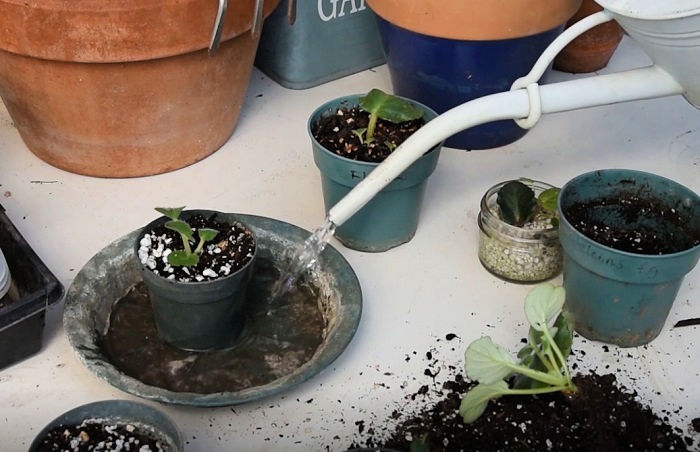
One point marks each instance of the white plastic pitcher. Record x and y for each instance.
(667, 30)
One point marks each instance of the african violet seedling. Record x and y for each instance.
(542, 366)
(387, 107)
(518, 205)
(185, 257)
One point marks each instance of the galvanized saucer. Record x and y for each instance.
(263, 363)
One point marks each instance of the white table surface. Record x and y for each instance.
(413, 295)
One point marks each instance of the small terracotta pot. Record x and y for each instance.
(154, 102)
(593, 49)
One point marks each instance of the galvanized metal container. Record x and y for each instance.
(318, 41)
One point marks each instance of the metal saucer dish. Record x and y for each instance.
(108, 322)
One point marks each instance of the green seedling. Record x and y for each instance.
(518, 205)
(185, 257)
(387, 107)
(360, 133)
(542, 364)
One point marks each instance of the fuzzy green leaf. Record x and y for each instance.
(525, 351)
(206, 234)
(516, 202)
(564, 337)
(475, 401)
(181, 227)
(548, 199)
(171, 212)
(388, 107)
(181, 258)
(487, 362)
(420, 444)
(542, 303)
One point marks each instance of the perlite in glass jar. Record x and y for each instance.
(529, 253)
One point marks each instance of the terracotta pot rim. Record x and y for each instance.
(111, 31)
(476, 20)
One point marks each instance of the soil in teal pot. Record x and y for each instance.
(648, 226)
(344, 134)
(99, 435)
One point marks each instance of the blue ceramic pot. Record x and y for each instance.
(391, 217)
(616, 296)
(443, 73)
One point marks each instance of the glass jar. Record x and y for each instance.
(527, 254)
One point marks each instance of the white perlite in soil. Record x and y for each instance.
(521, 261)
(97, 435)
(231, 249)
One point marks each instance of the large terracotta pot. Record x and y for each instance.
(593, 49)
(122, 88)
(445, 53)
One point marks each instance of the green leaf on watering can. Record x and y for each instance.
(420, 444)
(181, 227)
(181, 258)
(487, 362)
(548, 199)
(516, 202)
(542, 303)
(475, 401)
(388, 107)
(206, 234)
(171, 212)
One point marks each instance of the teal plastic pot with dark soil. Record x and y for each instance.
(629, 238)
(339, 136)
(110, 425)
(197, 290)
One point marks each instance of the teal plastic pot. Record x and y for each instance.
(203, 315)
(621, 297)
(391, 217)
(145, 418)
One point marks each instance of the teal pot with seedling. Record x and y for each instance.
(629, 238)
(391, 217)
(197, 276)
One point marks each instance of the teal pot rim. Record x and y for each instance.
(420, 170)
(122, 411)
(198, 285)
(569, 235)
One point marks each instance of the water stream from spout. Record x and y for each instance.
(303, 258)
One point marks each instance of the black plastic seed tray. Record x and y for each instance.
(22, 315)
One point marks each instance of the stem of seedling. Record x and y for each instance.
(560, 357)
(369, 136)
(543, 377)
(536, 390)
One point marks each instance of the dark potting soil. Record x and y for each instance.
(335, 133)
(280, 335)
(96, 435)
(230, 250)
(600, 417)
(642, 225)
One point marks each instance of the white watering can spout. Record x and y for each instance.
(668, 30)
